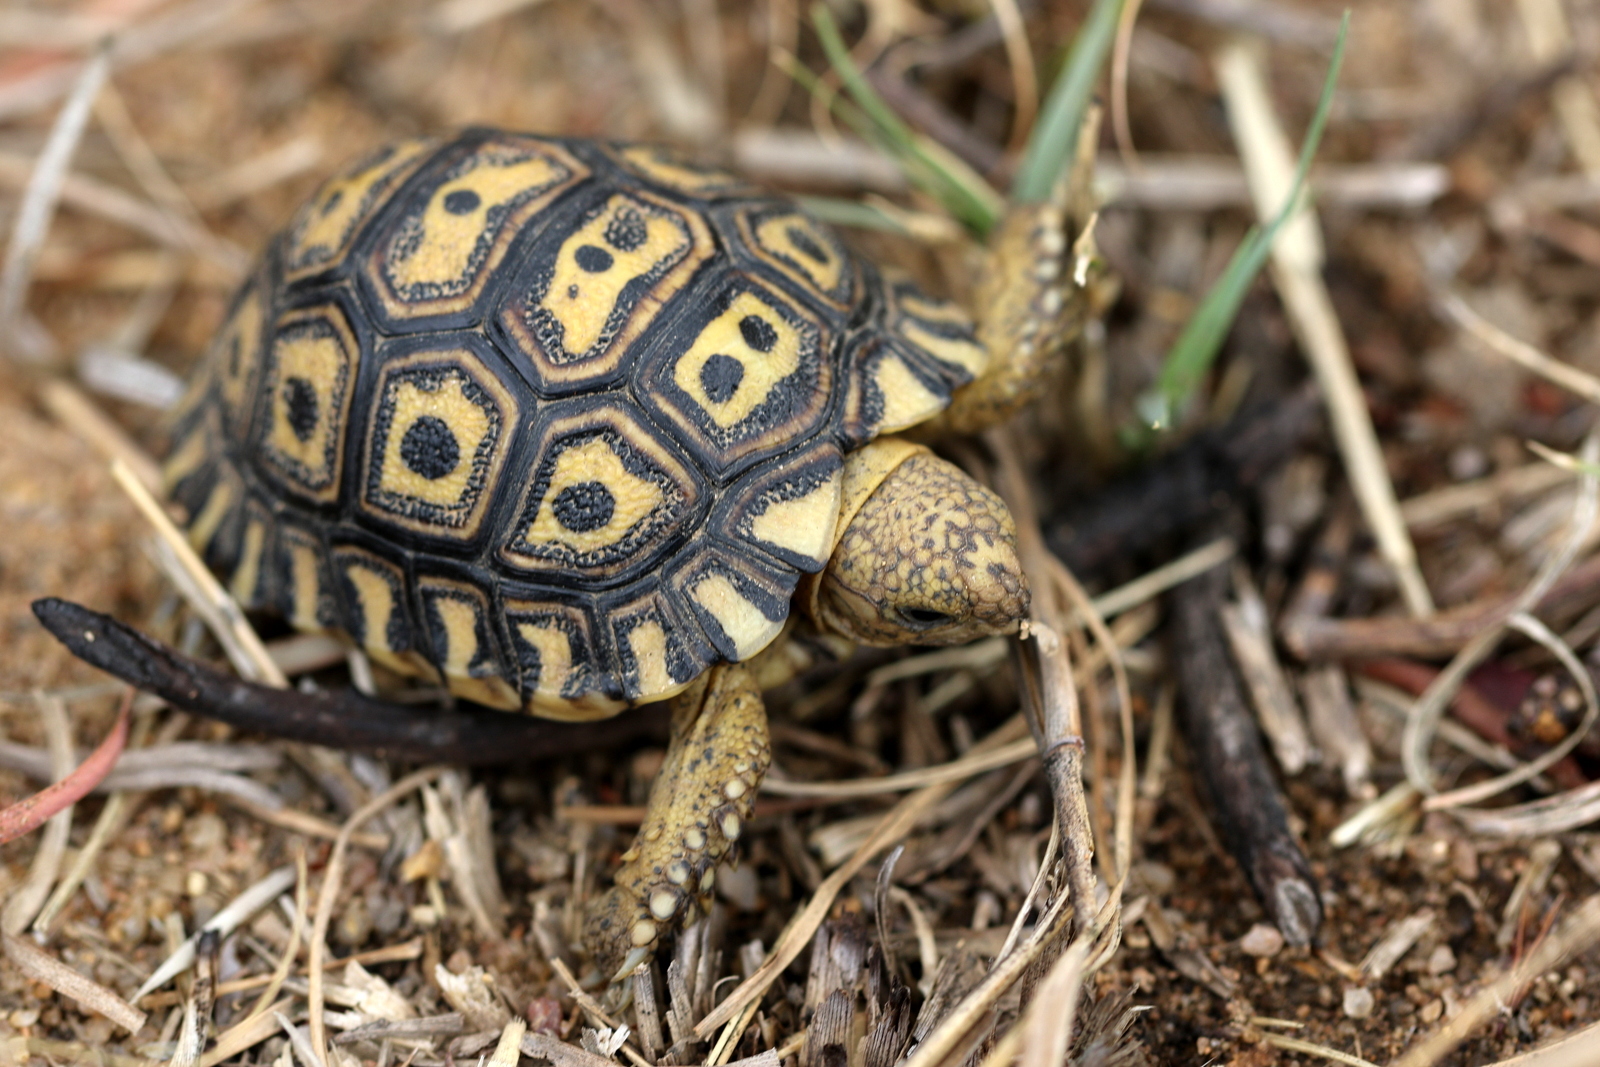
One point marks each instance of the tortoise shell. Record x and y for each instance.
(558, 421)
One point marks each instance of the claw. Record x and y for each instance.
(635, 958)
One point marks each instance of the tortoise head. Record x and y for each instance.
(926, 556)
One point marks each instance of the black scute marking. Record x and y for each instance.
(626, 231)
(593, 259)
(461, 202)
(806, 244)
(333, 201)
(720, 377)
(430, 448)
(758, 333)
(300, 397)
(584, 507)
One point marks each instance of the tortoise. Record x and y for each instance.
(572, 426)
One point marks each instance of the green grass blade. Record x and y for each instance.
(842, 212)
(1197, 346)
(1054, 136)
(958, 188)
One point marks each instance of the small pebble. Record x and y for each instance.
(1357, 1003)
(1430, 1012)
(1263, 941)
(1466, 462)
(1441, 960)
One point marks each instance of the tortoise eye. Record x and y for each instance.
(924, 617)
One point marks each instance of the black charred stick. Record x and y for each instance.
(1231, 762)
(336, 718)
(1185, 489)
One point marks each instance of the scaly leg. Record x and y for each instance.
(1031, 300)
(698, 807)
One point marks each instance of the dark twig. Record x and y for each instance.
(1180, 491)
(340, 719)
(1232, 764)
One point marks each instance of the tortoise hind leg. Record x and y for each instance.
(698, 806)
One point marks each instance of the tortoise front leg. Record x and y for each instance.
(698, 807)
(1029, 309)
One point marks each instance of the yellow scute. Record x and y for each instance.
(450, 404)
(743, 622)
(583, 301)
(594, 461)
(723, 335)
(444, 253)
(906, 401)
(804, 525)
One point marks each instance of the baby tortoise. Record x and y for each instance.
(571, 426)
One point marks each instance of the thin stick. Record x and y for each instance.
(1297, 263)
(333, 874)
(890, 829)
(39, 199)
(1048, 681)
(1518, 351)
(1429, 708)
(220, 611)
(40, 966)
(26, 899)
(77, 412)
(956, 770)
(280, 973)
(1024, 80)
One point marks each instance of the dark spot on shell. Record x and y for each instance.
(626, 230)
(429, 448)
(584, 507)
(593, 259)
(806, 244)
(720, 377)
(758, 333)
(301, 400)
(461, 202)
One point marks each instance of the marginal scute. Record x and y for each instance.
(740, 603)
(464, 646)
(748, 377)
(787, 508)
(938, 330)
(310, 376)
(658, 652)
(556, 657)
(659, 165)
(376, 612)
(605, 496)
(236, 359)
(888, 390)
(306, 594)
(802, 249)
(438, 438)
(246, 582)
(227, 490)
(435, 258)
(593, 288)
(324, 229)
